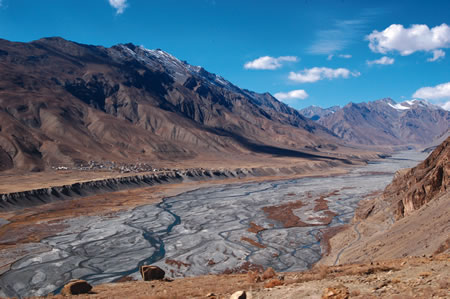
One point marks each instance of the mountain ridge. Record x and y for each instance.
(385, 122)
(65, 103)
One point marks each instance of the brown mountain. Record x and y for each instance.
(65, 103)
(384, 122)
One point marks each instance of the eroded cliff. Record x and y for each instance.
(413, 188)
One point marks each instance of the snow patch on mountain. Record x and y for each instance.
(399, 106)
(179, 70)
(411, 104)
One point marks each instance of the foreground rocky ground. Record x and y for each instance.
(412, 277)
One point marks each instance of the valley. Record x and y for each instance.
(115, 157)
(206, 230)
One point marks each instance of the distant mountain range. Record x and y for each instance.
(65, 103)
(316, 112)
(384, 122)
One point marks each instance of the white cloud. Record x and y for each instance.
(437, 54)
(298, 94)
(345, 56)
(119, 5)
(438, 92)
(319, 73)
(383, 60)
(269, 63)
(409, 40)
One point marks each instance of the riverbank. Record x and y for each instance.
(33, 197)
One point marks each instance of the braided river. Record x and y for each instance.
(205, 231)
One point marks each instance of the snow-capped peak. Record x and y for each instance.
(414, 103)
(177, 69)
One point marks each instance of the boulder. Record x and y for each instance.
(152, 273)
(76, 287)
(269, 273)
(336, 292)
(241, 295)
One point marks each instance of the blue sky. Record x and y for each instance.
(305, 52)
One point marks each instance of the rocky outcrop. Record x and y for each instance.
(413, 188)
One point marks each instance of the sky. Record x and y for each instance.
(304, 52)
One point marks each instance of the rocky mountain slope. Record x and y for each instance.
(316, 112)
(412, 189)
(64, 103)
(409, 218)
(384, 122)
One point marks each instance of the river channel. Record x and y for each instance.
(204, 231)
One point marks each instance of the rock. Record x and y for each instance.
(269, 273)
(210, 295)
(273, 283)
(152, 273)
(241, 295)
(76, 287)
(381, 285)
(336, 292)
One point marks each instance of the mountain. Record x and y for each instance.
(409, 218)
(316, 112)
(65, 103)
(412, 189)
(385, 122)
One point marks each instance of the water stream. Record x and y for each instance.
(199, 232)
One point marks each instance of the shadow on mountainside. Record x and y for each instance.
(272, 150)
